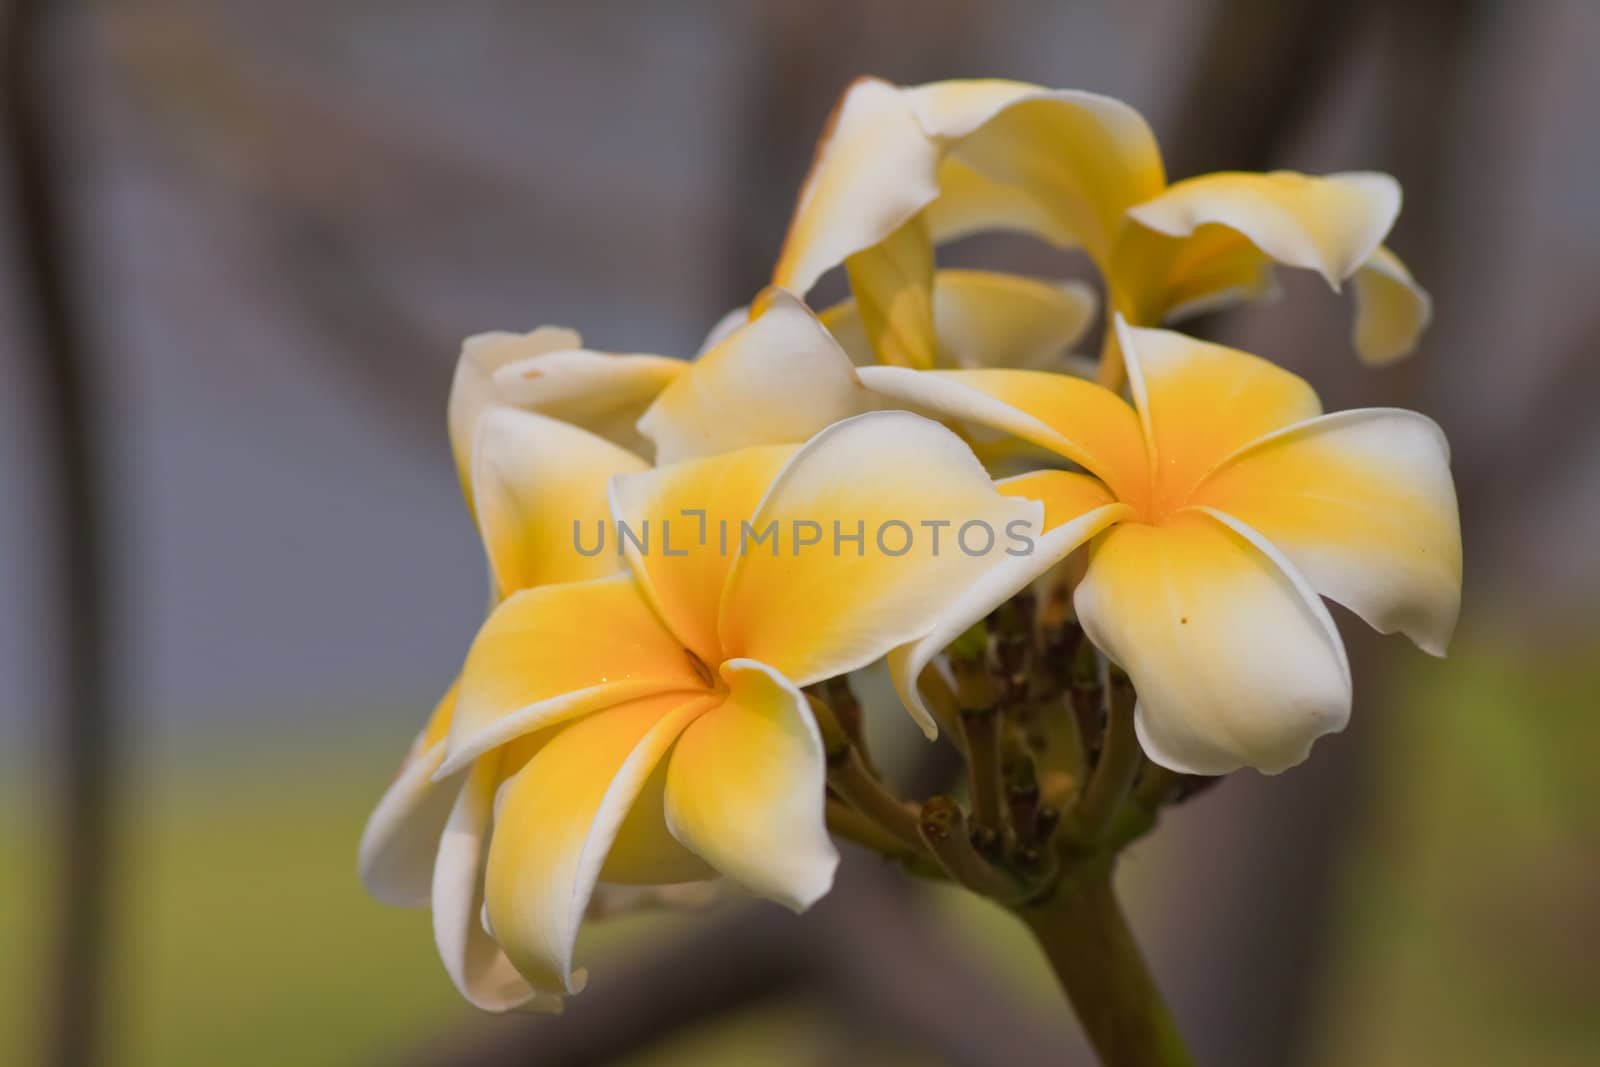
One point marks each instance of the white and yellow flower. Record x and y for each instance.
(902, 169)
(648, 727)
(1216, 508)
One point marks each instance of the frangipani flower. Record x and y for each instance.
(649, 726)
(1217, 507)
(903, 169)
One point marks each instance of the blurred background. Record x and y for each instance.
(242, 244)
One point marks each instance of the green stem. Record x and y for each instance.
(1083, 933)
(1119, 763)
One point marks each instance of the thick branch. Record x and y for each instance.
(85, 756)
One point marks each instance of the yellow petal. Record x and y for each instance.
(555, 825)
(892, 282)
(1084, 159)
(645, 855)
(971, 202)
(1076, 508)
(990, 319)
(987, 319)
(684, 526)
(473, 388)
(603, 392)
(874, 170)
(476, 965)
(930, 524)
(557, 651)
(723, 328)
(1200, 402)
(540, 484)
(775, 380)
(1078, 420)
(1158, 280)
(395, 857)
(1392, 310)
(1235, 659)
(745, 789)
(1363, 504)
(1065, 494)
(1330, 224)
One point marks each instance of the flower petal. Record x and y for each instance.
(556, 820)
(1084, 159)
(987, 319)
(557, 651)
(1079, 420)
(892, 282)
(538, 483)
(1066, 495)
(745, 789)
(1363, 504)
(473, 388)
(874, 170)
(1200, 402)
(1392, 310)
(777, 379)
(723, 328)
(1076, 508)
(1330, 224)
(818, 605)
(686, 524)
(990, 319)
(1159, 280)
(476, 965)
(397, 848)
(972, 202)
(1235, 659)
(603, 392)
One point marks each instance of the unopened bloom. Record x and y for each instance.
(649, 727)
(903, 169)
(1216, 508)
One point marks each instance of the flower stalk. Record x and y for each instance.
(1083, 933)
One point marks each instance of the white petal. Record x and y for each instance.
(875, 169)
(603, 392)
(477, 967)
(1235, 658)
(778, 379)
(473, 388)
(1392, 310)
(538, 482)
(1362, 503)
(745, 786)
(400, 839)
(1330, 224)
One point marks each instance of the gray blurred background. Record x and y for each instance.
(235, 570)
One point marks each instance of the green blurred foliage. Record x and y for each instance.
(245, 937)
(1472, 907)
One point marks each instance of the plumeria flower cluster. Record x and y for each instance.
(1105, 587)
